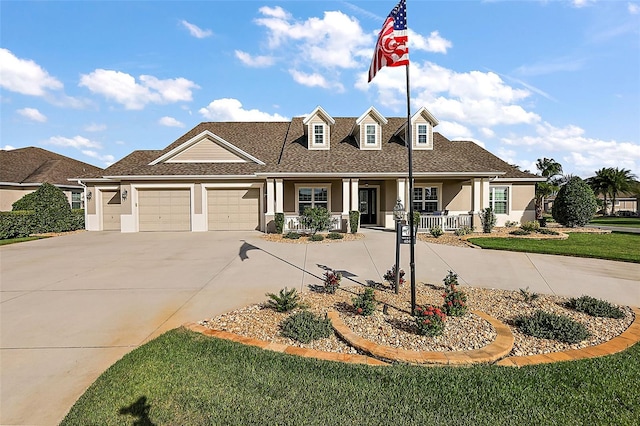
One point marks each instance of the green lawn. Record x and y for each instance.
(19, 240)
(625, 222)
(189, 379)
(615, 246)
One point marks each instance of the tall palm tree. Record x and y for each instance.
(622, 180)
(548, 168)
(601, 183)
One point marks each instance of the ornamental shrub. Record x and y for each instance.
(316, 237)
(519, 232)
(354, 221)
(16, 224)
(331, 281)
(511, 223)
(436, 231)
(365, 303)
(575, 203)
(531, 226)
(416, 219)
(455, 301)
(52, 212)
(390, 276)
(335, 236)
(488, 220)
(291, 235)
(595, 307)
(279, 221)
(463, 230)
(285, 301)
(547, 231)
(316, 219)
(546, 325)
(429, 320)
(305, 327)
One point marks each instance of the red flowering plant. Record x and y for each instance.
(430, 320)
(455, 301)
(331, 281)
(390, 276)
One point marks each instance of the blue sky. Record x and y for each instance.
(525, 79)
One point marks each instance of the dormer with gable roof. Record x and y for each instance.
(368, 130)
(422, 124)
(317, 128)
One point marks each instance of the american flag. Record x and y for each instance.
(392, 49)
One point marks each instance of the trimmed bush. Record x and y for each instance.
(575, 204)
(595, 307)
(519, 232)
(316, 219)
(436, 231)
(545, 325)
(16, 224)
(464, 230)
(305, 327)
(488, 220)
(316, 237)
(285, 301)
(335, 236)
(354, 221)
(429, 320)
(291, 235)
(531, 226)
(546, 231)
(279, 221)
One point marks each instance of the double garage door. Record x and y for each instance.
(170, 209)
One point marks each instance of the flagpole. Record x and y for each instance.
(412, 257)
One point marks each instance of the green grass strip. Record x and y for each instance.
(627, 222)
(615, 246)
(19, 240)
(187, 378)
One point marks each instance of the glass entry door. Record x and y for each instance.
(368, 200)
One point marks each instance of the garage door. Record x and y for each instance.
(233, 209)
(111, 210)
(164, 210)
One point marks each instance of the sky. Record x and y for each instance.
(96, 80)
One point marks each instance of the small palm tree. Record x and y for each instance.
(601, 184)
(622, 180)
(548, 168)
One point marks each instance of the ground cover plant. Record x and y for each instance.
(595, 307)
(615, 246)
(188, 378)
(305, 326)
(545, 325)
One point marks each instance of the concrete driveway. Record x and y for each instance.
(73, 305)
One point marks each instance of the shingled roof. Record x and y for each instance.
(282, 147)
(33, 165)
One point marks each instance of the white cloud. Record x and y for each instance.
(231, 110)
(254, 61)
(124, 89)
(314, 80)
(107, 159)
(8, 148)
(170, 122)
(25, 76)
(487, 133)
(95, 127)
(552, 66)
(583, 154)
(77, 142)
(32, 114)
(633, 8)
(582, 3)
(453, 131)
(196, 31)
(434, 43)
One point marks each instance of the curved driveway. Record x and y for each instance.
(73, 305)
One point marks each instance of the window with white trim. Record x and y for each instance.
(312, 197)
(370, 130)
(422, 134)
(425, 199)
(318, 134)
(76, 200)
(499, 199)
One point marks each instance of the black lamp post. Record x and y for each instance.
(398, 215)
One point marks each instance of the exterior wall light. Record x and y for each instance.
(398, 211)
(124, 195)
(89, 195)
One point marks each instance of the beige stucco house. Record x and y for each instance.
(23, 170)
(238, 175)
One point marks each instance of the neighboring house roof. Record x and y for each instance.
(282, 148)
(33, 165)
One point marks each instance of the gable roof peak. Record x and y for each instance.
(322, 113)
(372, 112)
(424, 112)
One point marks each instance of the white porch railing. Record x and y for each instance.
(447, 223)
(293, 223)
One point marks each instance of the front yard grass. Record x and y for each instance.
(19, 240)
(615, 246)
(624, 222)
(186, 378)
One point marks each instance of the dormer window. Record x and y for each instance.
(423, 134)
(370, 134)
(318, 134)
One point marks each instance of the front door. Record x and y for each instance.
(368, 201)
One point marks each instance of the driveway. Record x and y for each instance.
(71, 306)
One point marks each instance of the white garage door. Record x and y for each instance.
(164, 210)
(233, 209)
(111, 210)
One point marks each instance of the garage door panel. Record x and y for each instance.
(164, 210)
(233, 209)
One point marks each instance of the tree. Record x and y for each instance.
(601, 184)
(575, 203)
(550, 169)
(316, 219)
(622, 180)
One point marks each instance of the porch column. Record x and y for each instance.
(279, 196)
(485, 193)
(401, 190)
(354, 195)
(345, 197)
(270, 197)
(476, 197)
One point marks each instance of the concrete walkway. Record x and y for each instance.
(71, 306)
